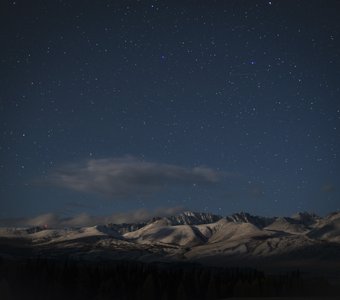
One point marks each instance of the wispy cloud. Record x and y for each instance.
(54, 220)
(128, 176)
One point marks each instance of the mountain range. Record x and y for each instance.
(302, 240)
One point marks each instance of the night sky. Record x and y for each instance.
(113, 107)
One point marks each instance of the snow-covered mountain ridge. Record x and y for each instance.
(202, 237)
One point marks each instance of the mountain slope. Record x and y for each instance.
(288, 225)
(182, 235)
(327, 229)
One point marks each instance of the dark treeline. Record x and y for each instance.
(50, 279)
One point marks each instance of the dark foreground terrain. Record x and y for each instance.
(66, 279)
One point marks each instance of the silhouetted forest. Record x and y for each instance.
(51, 279)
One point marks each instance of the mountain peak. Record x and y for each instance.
(244, 217)
(192, 218)
(306, 218)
